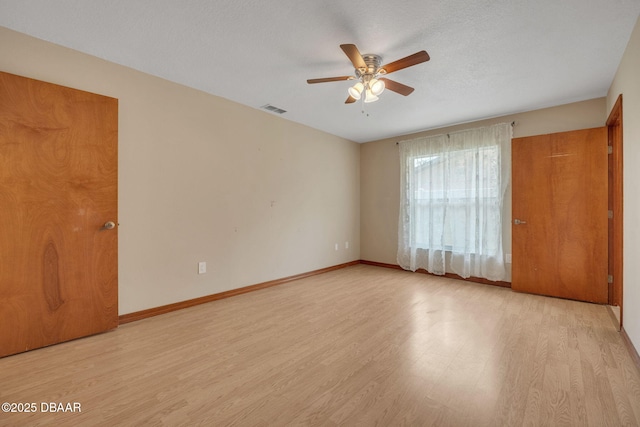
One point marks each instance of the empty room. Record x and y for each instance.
(308, 212)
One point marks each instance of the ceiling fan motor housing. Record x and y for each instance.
(373, 65)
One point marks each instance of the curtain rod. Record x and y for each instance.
(513, 123)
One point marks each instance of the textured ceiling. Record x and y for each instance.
(488, 57)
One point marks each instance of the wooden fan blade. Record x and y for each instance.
(354, 55)
(329, 79)
(350, 100)
(397, 87)
(407, 61)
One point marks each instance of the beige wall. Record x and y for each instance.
(380, 172)
(627, 83)
(204, 179)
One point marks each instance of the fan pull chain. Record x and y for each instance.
(363, 111)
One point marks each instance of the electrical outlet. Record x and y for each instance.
(202, 267)
(508, 259)
(337, 246)
(346, 245)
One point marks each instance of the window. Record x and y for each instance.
(451, 203)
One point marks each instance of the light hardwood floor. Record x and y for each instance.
(359, 346)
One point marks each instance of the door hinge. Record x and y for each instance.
(609, 149)
(610, 214)
(609, 278)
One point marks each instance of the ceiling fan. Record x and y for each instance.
(368, 72)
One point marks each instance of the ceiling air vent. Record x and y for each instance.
(273, 109)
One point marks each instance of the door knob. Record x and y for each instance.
(518, 222)
(110, 225)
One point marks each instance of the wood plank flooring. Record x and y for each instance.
(359, 346)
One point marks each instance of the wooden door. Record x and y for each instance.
(58, 187)
(614, 126)
(560, 198)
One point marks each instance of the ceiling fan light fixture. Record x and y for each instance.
(376, 86)
(367, 69)
(356, 90)
(369, 96)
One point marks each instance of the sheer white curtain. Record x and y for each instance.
(452, 192)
